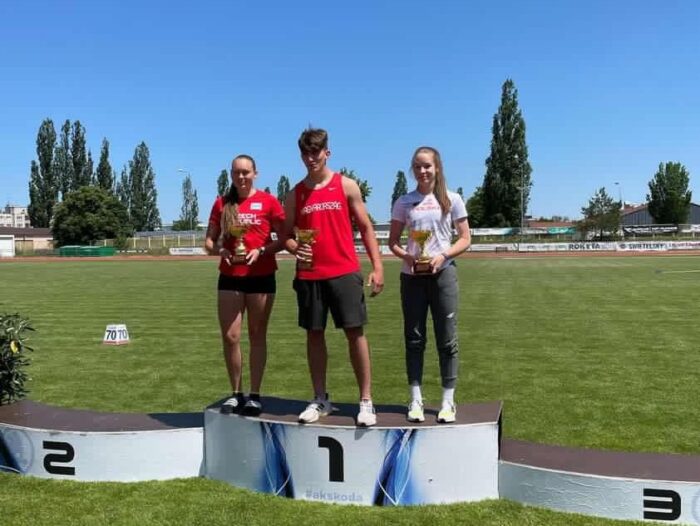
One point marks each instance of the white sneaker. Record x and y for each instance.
(366, 417)
(233, 404)
(415, 411)
(315, 410)
(447, 414)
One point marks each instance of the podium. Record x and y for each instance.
(333, 460)
(73, 444)
(394, 463)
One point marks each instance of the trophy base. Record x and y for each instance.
(422, 267)
(238, 259)
(304, 265)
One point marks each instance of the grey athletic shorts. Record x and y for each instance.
(344, 296)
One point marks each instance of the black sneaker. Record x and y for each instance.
(252, 407)
(233, 404)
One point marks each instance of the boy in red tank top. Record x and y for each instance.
(328, 270)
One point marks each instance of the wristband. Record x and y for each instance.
(261, 251)
(444, 254)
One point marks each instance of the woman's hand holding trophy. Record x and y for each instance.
(238, 256)
(422, 264)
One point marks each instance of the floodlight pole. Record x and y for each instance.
(522, 205)
(622, 207)
(522, 196)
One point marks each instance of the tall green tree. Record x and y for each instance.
(669, 197)
(475, 208)
(123, 189)
(283, 188)
(62, 162)
(90, 168)
(143, 207)
(43, 186)
(365, 188)
(38, 214)
(601, 216)
(222, 183)
(400, 187)
(104, 176)
(507, 183)
(82, 173)
(87, 215)
(189, 211)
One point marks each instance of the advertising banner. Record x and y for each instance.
(187, 251)
(579, 246)
(643, 246)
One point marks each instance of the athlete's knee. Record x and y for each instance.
(415, 346)
(232, 338)
(354, 333)
(449, 348)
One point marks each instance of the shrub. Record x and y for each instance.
(14, 357)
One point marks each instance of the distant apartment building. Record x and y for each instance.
(13, 216)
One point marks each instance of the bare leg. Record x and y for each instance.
(231, 305)
(258, 307)
(359, 357)
(317, 356)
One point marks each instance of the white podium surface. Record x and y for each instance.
(53, 442)
(393, 463)
(613, 484)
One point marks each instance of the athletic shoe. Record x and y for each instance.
(366, 417)
(252, 407)
(415, 411)
(447, 414)
(233, 404)
(315, 410)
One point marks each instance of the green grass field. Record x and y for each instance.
(591, 352)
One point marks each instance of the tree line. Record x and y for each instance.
(64, 166)
(501, 200)
(81, 203)
(503, 197)
(668, 202)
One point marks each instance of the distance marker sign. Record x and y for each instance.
(116, 334)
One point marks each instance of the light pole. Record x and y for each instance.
(522, 204)
(522, 195)
(619, 194)
(182, 170)
(622, 207)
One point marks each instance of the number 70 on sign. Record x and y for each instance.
(116, 334)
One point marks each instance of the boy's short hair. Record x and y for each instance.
(313, 140)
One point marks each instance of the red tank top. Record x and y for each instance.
(326, 211)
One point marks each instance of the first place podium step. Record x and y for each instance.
(392, 463)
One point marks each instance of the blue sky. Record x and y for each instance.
(608, 90)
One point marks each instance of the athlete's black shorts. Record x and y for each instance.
(248, 284)
(343, 296)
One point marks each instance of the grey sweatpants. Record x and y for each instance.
(440, 294)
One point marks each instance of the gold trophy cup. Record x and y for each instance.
(422, 263)
(307, 237)
(239, 253)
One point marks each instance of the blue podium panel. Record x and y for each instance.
(394, 463)
(53, 442)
